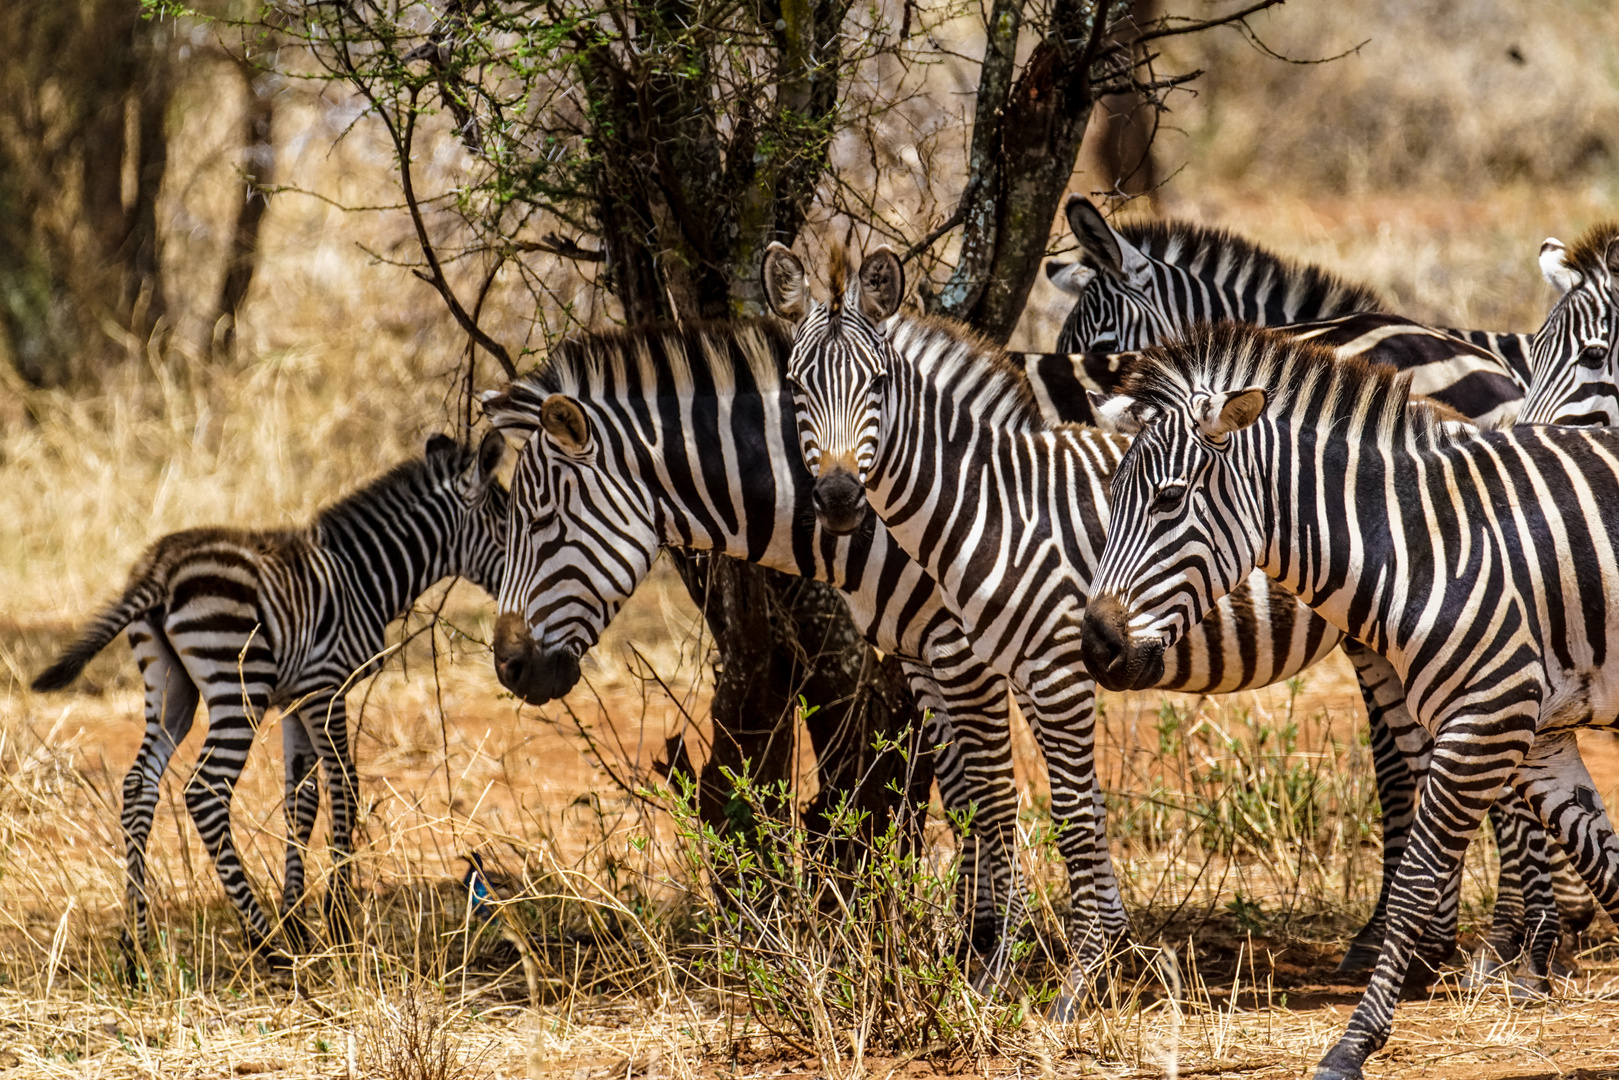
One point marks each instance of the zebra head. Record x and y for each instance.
(478, 547)
(1117, 307)
(578, 542)
(837, 371)
(1185, 524)
(1574, 359)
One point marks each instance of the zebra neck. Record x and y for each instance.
(1329, 543)
(733, 484)
(960, 492)
(387, 571)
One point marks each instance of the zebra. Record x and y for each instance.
(586, 525)
(618, 425)
(246, 620)
(1149, 283)
(961, 468)
(1575, 354)
(1479, 563)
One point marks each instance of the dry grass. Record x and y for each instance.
(1246, 850)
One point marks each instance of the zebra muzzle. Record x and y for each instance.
(839, 500)
(536, 675)
(1115, 658)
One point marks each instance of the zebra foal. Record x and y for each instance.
(1481, 565)
(247, 620)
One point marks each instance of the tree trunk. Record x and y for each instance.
(258, 172)
(782, 639)
(1026, 138)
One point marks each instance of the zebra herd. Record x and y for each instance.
(1160, 503)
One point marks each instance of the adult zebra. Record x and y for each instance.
(1150, 283)
(944, 440)
(1575, 354)
(688, 437)
(246, 620)
(1480, 564)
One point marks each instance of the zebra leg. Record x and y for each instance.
(171, 706)
(1575, 904)
(1525, 909)
(327, 720)
(301, 805)
(1400, 754)
(1063, 718)
(1386, 715)
(1473, 761)
(235, 708)
(969, 731)
(1555, 783)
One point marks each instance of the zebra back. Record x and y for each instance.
(1149, 283)
(1444, 368)
(354, 568)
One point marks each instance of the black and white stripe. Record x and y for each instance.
(687, 437)
(1479, 564)
(1149, 283)
(1008, 515)
(1575, 355)
(249, 620)
(683, 437)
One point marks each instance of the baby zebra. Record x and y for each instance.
(247, 620)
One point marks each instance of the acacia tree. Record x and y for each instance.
(654, 148)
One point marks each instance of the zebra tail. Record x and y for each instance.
(143, 594)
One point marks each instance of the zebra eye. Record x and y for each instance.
(1168, 498)
(1594, 354)
(878, 381)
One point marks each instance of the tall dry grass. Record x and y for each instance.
(1243, 828)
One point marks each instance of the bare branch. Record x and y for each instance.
(1193, 26)
(931, 238)
(553, 244)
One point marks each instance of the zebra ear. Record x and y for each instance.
(491, 452)
(882, 284)
(783, 278)
(1106, 246)
(1554, 265)
(1070, 277)
(506, 414)
(1119, 414)
(565, 422)
(439, 444)
(1232, 410)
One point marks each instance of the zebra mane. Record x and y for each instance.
(685, 357)
(1595, 251)
(410, 475)
(980, 375)
(1299, 377)
(1216, 255)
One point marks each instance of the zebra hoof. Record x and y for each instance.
(1529, 989)
(1339, 1064)
(1328, 1072)
(1359, 958)
(1064, 1008)
(1483, 970)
